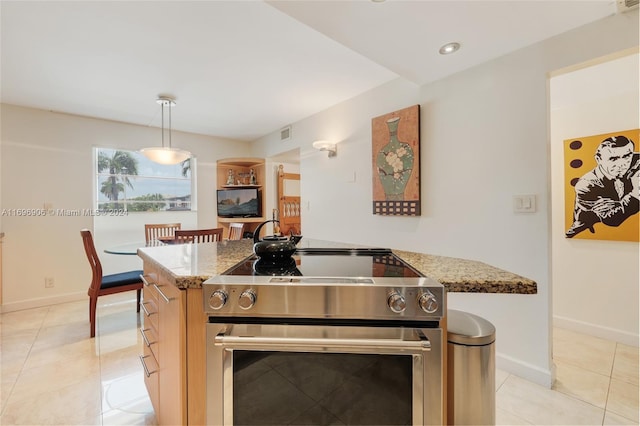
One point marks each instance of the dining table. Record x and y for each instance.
(131, 249)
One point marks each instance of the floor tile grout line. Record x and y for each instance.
(582, 367)
(606, 402)
(38, 329)
(610, 379)
(619, 415)
(604, 410)
(26, 358)
(503, 382)
(573, 397)
(622, 379)
(98, 336)
(590, 372)
(615, 354)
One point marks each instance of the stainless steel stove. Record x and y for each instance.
(344, 336)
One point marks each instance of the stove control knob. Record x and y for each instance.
(396, 302)
(247, 299)
(217, 299)
(428, 302)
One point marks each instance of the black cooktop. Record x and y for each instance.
(330, 262)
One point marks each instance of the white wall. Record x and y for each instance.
(595, 283)
(47, 158)
(484, 139)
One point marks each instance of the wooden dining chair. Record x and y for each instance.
(106, 284)
(152, 231)
(235, 230)
(198, 235)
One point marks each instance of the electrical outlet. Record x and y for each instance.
(48, 282)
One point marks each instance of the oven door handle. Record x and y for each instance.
(303, 343)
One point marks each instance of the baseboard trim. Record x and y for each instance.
(43, 301)
(596, 330)
(525, 370)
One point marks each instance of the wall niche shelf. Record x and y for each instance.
(241, 186)
(241, 171)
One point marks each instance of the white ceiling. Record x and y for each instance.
(243, 69)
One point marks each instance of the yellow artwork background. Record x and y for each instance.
(628, 230)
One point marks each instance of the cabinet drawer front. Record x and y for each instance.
(151, 377)
(150, 342)
(149, 280)
(149, 308)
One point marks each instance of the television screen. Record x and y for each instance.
(239, 202)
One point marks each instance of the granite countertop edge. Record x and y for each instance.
(455, 274)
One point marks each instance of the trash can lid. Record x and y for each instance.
(465, 328)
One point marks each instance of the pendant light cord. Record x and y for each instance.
(168, 103)
(162, 111)
(165, 154)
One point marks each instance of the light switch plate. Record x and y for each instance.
(524, 203)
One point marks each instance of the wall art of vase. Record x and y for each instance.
(396, 165)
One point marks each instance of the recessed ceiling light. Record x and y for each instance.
(449, 48)
(378, 1)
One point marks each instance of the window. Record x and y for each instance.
(128, 180)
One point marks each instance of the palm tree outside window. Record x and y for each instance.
(126, 180)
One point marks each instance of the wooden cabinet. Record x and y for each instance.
(289, 202)
(242, 173)
(164, 354)
(1, 238)
(171, 344)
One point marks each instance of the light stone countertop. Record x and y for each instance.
(189, 265)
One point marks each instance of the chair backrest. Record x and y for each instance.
(235, 231)
(154, 230)
(198, 235)
(94, 261)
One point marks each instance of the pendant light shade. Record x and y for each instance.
(166, 154)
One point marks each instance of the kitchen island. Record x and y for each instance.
(174, 329)
(187, 266)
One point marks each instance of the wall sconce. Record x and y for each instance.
(331, 148)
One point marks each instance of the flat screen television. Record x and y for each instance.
(239, 202)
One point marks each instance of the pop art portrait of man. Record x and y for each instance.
(605, 197)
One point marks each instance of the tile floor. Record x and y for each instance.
(53, 373)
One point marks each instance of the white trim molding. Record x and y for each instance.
(597, 330)
(44, 301)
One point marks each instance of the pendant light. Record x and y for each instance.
(166, 154)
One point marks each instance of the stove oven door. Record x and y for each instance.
(311, 374)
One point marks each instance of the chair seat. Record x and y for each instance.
(102, 285)
(122, 278)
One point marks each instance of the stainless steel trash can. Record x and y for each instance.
(471, 371)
